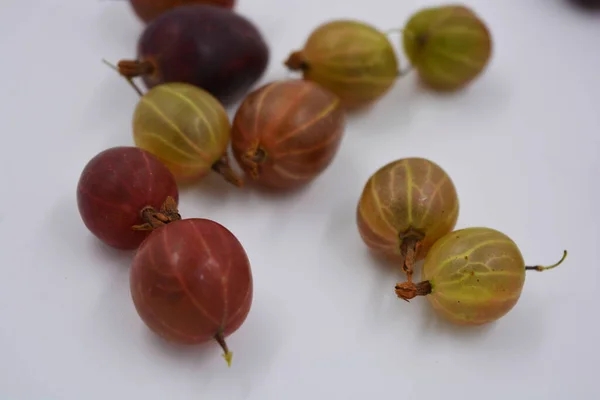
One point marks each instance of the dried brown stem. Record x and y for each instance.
(223, 168)
(155, 219)
(541, 268)
(253, 158)
(410, 290)
(296, 61)
(408, 253)
(134, 68)
(128, 79)
(227, 355)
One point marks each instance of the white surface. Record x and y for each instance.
(521, 145)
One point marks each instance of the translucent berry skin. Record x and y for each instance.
(476, 275)
(210, 47)
(148, 10)
(185, 127)
(113, 189)
(286, 133)
(449, 46)
(352, 59)
(410, 197)
(191, 280)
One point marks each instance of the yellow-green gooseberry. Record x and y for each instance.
(405, 207)
(187, 129)
(472, 276)
(352, 59)
(448, 46)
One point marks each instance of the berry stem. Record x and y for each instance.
(227, 355)
(410, 290)
(541, 268)
(127, 78)
(296, 61)
(253, 157)
(155, 219)
(223, 168)
(408, 250)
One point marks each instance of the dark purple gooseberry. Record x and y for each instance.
(207, 46)
(588, 4)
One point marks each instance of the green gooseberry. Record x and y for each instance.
(448, 46)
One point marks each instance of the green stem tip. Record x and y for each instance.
(541, 268)
(227, 355)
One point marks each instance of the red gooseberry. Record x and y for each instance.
(117, 191)
(405, 207)
(286, 133)
(191, 282)
(472, 276)
(210, 47)
(147, 10)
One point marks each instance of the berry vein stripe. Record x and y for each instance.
(309, 123)
(435, 193)
(225, 282)
(196, 109)
(234, 315)
(469, 252)
(292, 103)
(168, 327)
(466, 61)
(166, 143)
(259, 104)
(184, 286)
(381, 211)
(466, 275)
(288, 174)
(103, 201)
(176, 128)
(330, 139)
(409, 191)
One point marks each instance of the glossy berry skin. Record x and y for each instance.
(209, 47)
(352, 59)
(186, 128)
(411, 199)
(476, 275)
(449, 46)
(148, 10)
(113, 189)
(191, 281)
(286, 133)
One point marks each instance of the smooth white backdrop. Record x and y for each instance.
(521, 145)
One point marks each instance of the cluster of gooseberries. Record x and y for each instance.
(191, 280)
(407, 211)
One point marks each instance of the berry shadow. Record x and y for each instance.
(109, 255)
(394, 111)
(255, 347)
(198, 356)
(524, 322)
(68, 232)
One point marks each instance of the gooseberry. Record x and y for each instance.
(147, 10)
(352, 59)
(472, 276)
(588, 4)
(187, 129)
(122, 193)
(449, 46)
(286, 133)
(191, 282)
(210, 47)
(405, 207)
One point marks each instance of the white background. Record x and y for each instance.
(521, 145)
